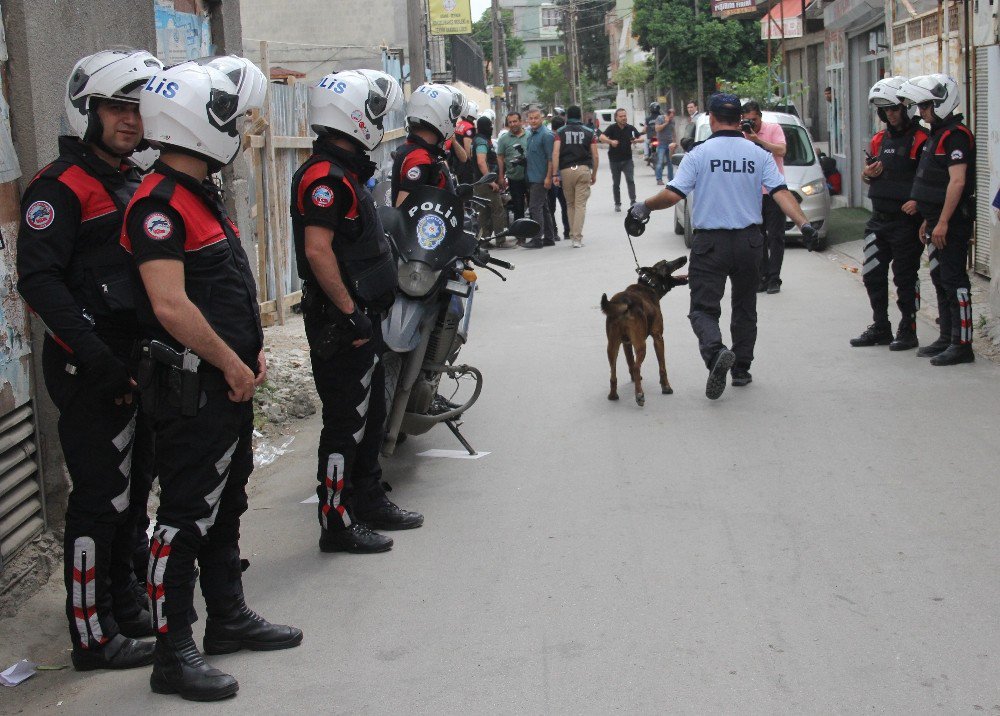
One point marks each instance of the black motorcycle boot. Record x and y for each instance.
(357, 539)
(388, 516)
(906, 336)
(179, 668)
(877, 334)
(138, 626)
(119, 653)
(939, 346)
(243, 628)
(954, 354)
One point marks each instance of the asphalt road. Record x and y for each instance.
(821, 541)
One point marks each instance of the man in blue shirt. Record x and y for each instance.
(539, 175)
(729, 172)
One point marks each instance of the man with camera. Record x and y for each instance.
(770, 137)
(511, 161)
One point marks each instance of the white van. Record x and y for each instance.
(606, 117)
(803, 175)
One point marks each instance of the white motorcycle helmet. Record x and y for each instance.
(491, 115)
(885, 93)
(942, 90)
(354, 103)
(436, 107)
(145, 158)
(197, 108)
(110, 74)
(471, 112)
(251, 85)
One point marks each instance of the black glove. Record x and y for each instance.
(636, 219)
(810, 237)
(358, 325)
(107, 375)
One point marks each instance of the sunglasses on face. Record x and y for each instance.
(925, 105)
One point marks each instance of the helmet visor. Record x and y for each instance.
(455, 109)
(222, 108)
(377, 103)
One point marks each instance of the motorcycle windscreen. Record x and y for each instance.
(434, 228)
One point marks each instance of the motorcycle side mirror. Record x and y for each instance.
(523, 229)
(486, 179)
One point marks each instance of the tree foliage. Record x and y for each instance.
(763, 83)
(482, 32)
(633, 76)
(548, 77)
(726, 47)
(593, 40)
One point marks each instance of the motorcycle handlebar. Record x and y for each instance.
(501, 264)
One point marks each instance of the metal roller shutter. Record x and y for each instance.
(21, 511)
(981, 256)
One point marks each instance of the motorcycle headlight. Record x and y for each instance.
(814, 187)
(416, 279)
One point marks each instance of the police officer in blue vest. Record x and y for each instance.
(728, 172)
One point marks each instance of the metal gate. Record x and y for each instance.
(22, 514)
(984, 223)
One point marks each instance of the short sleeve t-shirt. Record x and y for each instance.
(774, 134)
(624, 136)
(507, 148)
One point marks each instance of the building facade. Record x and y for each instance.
(539, 25)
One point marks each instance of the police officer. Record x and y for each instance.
(430, 118)
(349, 279)
(575, 155)
(461, 161)
(75, 276)
(729, 172)
(891, 233)
(943, 189)
(199, 370)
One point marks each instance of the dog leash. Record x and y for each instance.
(631, 246)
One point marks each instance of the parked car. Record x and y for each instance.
(803, 175)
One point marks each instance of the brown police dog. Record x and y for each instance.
(633, 315)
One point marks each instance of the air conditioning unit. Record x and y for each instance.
(984, 22)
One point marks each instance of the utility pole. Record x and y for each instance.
(417, 40)
(574, 60)
(701, 82)
(503, 62)
(497, 75)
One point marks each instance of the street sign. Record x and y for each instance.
(732, 8)
(450, 17)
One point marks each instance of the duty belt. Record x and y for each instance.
(889, 215)
(706, 231)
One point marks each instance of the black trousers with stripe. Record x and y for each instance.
(951, 279)
(203, 463)
(108, 453)
(893, 240)
(351, 387)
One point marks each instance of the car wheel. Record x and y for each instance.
(688, 229)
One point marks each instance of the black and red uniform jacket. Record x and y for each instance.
(950, 143)
(72, 271)
(173, 216)
(328, 190)
(899, 152)
(417, 164)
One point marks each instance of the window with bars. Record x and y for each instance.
(551, 17)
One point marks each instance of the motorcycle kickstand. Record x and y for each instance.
(454, 429)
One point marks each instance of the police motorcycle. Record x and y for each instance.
(429, 322)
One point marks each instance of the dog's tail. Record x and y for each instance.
(614, 309)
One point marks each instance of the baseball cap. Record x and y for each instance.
(724, 106)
